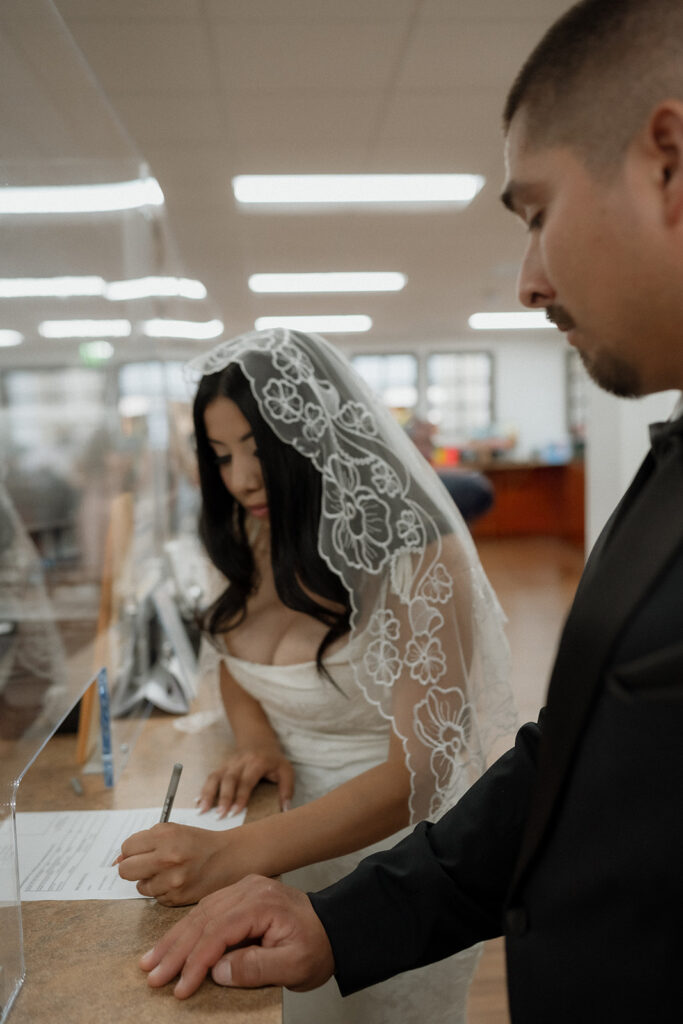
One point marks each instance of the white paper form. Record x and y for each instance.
(67, 855)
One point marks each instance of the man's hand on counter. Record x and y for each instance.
(280, 938)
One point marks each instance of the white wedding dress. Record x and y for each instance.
(331, 734)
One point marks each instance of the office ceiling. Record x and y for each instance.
(203, 90)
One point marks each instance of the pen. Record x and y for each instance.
(171, 791)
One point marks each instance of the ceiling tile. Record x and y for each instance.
(540, 11)
(259, 155)
(455, 54)
(195, 175)
(155, 120)
(347, 56)
(456, 130)
(301, 116)
(161, 56)
(114, 10)
(293, 11)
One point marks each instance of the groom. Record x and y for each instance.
(571, 845)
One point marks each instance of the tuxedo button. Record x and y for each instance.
(516, 921)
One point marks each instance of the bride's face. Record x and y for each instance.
(232, 441)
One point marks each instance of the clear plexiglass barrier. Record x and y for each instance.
(36, 695)
(98, 480)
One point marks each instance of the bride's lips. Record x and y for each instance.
(260, 511)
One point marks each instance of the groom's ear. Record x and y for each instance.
(663, 145)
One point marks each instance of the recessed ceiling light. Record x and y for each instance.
(335, 189)
(9, 338)
(351, 324)
(510, 321)
(102, 198)
(85, 328)
(338, 281)
(182, 329)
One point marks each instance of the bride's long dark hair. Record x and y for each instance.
(294, 489)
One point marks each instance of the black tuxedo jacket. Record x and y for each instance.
(572, 843)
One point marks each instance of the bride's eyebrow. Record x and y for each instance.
(247, 437)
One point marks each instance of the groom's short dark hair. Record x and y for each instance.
(596, 75)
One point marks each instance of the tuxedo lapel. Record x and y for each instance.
(635, 546)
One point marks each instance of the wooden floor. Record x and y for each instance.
(535, 579)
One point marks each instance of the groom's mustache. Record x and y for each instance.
(560, 317)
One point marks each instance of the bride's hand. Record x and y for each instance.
(232, 784)
(178, 864)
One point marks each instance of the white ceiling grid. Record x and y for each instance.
(207, 89)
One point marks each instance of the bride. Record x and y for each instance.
(363, 665)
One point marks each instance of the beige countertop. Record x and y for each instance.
(81, 957)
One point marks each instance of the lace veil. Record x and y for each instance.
(427, 643)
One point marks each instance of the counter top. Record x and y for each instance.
(81, 957)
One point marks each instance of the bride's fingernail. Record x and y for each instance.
(233, 811)
(286, 805)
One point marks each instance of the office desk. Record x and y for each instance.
(533, 498)
(81, 957)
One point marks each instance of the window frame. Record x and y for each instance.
(491, 358)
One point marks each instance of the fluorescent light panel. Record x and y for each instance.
(103, 198)
(50, 287)
(510, 321)
(338, 281)
(323, 189)
(351, 324)
(155, 287)
(182, 329)
(9, 338)
(85, 328)
(79, 286)
(157, 328)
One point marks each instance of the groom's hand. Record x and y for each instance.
(281, 940)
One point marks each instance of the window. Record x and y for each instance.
(144, 390)
(393, 378)
(52, 410)
(460, 394)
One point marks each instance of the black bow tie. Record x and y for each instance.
(664, 437)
